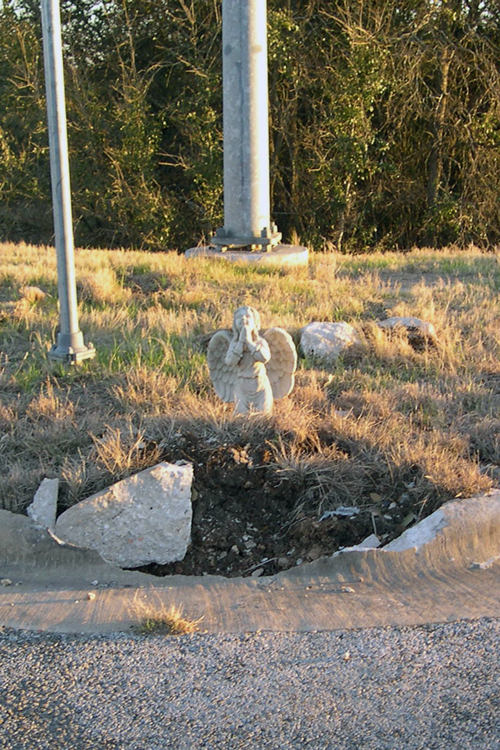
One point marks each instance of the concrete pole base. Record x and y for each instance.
(278, 256)
(70, 349)
(266, 241)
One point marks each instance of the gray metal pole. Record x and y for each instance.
(70, 347)
(247, 219)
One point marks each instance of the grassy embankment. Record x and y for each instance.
(386, 425)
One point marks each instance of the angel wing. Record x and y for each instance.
(222, 376)
(281, 366)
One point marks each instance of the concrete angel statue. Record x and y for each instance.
(250, 369)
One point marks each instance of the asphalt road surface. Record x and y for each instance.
(427, 688)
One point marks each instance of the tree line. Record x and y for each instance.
(384, 122)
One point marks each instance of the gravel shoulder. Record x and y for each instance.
(419, 688)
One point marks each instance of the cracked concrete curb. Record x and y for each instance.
(445, 568)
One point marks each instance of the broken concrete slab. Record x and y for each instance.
(43, 509)
(423, 532)
(451, 572)
(144, 518)
(19, 537)
(32, 555)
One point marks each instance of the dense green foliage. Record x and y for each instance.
(385, 122)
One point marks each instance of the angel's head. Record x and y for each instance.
(245, 316)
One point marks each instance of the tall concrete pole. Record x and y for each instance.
(247, 219)
(70, 347)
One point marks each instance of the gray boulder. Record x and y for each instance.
(419, 331)
(326, 341)
(144, 518)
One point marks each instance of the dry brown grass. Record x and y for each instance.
(156, 618)
(387, 419)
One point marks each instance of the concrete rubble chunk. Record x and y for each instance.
(142, 519)
(417, 329)
(420, 534)
(43, 509)
(326, 341)
(371, 542)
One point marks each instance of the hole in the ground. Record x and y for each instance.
(250, 519)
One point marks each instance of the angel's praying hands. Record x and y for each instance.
(250, 369)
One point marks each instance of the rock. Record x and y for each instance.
(482, 565)
(326, 341)
(314, 553)
(144, 518)
(419, 331)
(371, 542)
(32, 293)
(43, 509)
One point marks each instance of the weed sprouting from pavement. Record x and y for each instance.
(159, 619)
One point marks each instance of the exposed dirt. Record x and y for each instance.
(248, 519)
